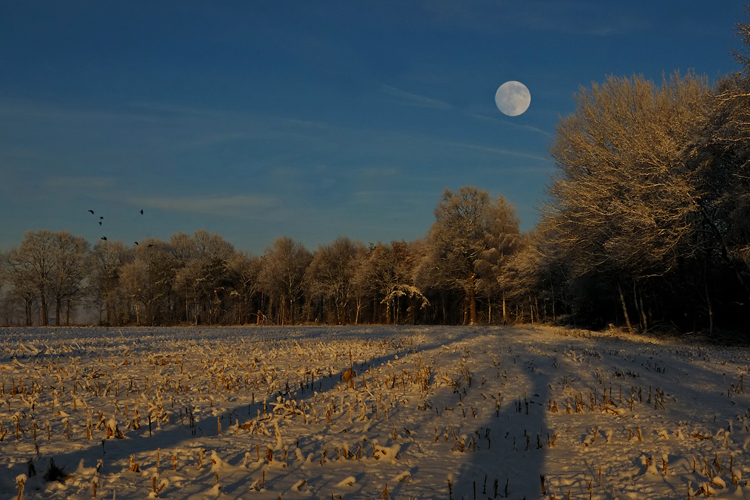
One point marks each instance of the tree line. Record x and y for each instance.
(202, 279)
(646, 225)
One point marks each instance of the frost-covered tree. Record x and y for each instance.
(105, 263)
(69, 254)
(244, 274)
(331, 272)
(33, 263)
(202, 273)
(283, 275)
(148, 281)
(386, 277)
(22, 291)
(622, 206)
(720, 156)
(469, 227)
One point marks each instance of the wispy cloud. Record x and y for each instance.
(505, 152)
(232, 206)
(509, 123)
(53, 113)
(398, 198)
(413, 99)
(375, 172)
(77, 183)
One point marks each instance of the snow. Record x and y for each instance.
(431, 412)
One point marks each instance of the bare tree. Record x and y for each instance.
(283, 274)
(331, 272)
(148, 281)
(386, 276)
(34, 263)
(69, 255)
(244, 271)
(202, 262)
(360, 287)
(467, 226)
(134, 280)
(623, 202)
(720, 157)
(105, 264)
(20, 278)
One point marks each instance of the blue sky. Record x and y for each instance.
(306, 119)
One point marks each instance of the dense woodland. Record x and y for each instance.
(646, 226)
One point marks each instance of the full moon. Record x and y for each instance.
(512, 98)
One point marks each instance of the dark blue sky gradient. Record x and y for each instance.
(306, 119)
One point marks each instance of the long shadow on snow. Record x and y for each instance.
(511, 465)
(180, 435)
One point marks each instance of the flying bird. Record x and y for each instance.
(91, 211)
(136, 243)
(141, 212)
(104, 238)
(150, 245)
(100, 223)
(101, 216)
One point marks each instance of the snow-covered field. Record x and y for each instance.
(432, 412)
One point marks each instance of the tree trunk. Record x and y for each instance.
(472, 297)
(625, 309)
(58, 310)
(413, 302)
(28, 304)
(106, 311)
(710, 313)
(196, 309)
(643, 313)
(531, 310)
(638, 301)
(552, 287)
(505, 313)
(44, 320)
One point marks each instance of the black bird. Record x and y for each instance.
(136, 243)
(101, 217)
(104, 238)
(141, 212)
(91, 211)
(100, 223)
(150, 245)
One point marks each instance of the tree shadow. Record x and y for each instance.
(513, 442)
(504, 446)
(204, 432)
